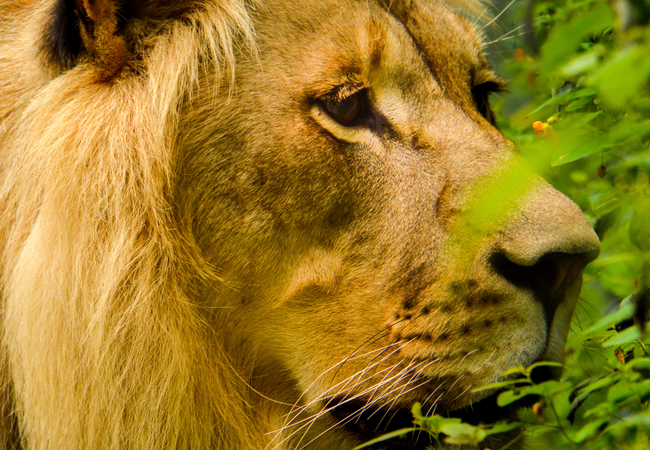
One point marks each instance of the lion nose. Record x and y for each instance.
(546, 247)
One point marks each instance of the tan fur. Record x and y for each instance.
(193, 254)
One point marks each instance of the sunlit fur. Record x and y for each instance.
(172, 276)
(106, 343)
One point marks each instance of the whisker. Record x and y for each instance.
(360, 374)
(431, 395)
(417, 369)
(383, 381)
(380, 350)
(402, 393)
(405, 343)
(397, 398)
(511, 37)
(478, 19)
(371, 340)
(343, 421)
(371, 401)
(309, 421)
(312, 419)
(461, 394)
(350, 357)
(468, 353)
(498, 15)
(434, 405)
(349, 384)
(322, 398)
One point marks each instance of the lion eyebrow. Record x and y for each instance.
(344, 89)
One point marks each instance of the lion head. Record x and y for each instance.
(263, 225)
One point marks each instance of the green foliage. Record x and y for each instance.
(585, 80)
(588, 83)
(446, 429)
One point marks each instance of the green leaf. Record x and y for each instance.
(434, 424)
(641, 421)
(603, 207)
(387, 436)
(622, 78)
(590, 430)
(602, 410)
(629, 131)
(546, 389)
(502, 384)
(602, 383)
(628, 335)
(583, 62)
(624, 391)
(639, 227)
(416, 410)
(577, 147)
(514, 370)
(639, 365)
(565, 98)
(463, 433)
(563, 41)
(576, 119)
(616, 258)
(625, 311)
(502, 427)
(579, 103)
(529, 369)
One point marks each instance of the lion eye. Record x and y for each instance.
(346, 111)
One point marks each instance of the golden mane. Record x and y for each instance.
(88, 245)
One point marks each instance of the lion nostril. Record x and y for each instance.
(525, 276)
(583, 252)
(548, 277)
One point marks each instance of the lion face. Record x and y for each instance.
(289, 261)
(363, 134)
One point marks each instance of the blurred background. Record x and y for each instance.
(578, 107)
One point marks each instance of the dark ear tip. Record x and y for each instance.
(111, 60)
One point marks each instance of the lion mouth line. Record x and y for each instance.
(368, 423)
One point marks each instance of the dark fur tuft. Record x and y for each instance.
(62, 37)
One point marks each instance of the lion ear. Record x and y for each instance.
(91, 28)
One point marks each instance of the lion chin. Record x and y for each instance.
(270, 224)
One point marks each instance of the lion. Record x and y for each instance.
(248, 225)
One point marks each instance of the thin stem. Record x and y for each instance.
(559, 422)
